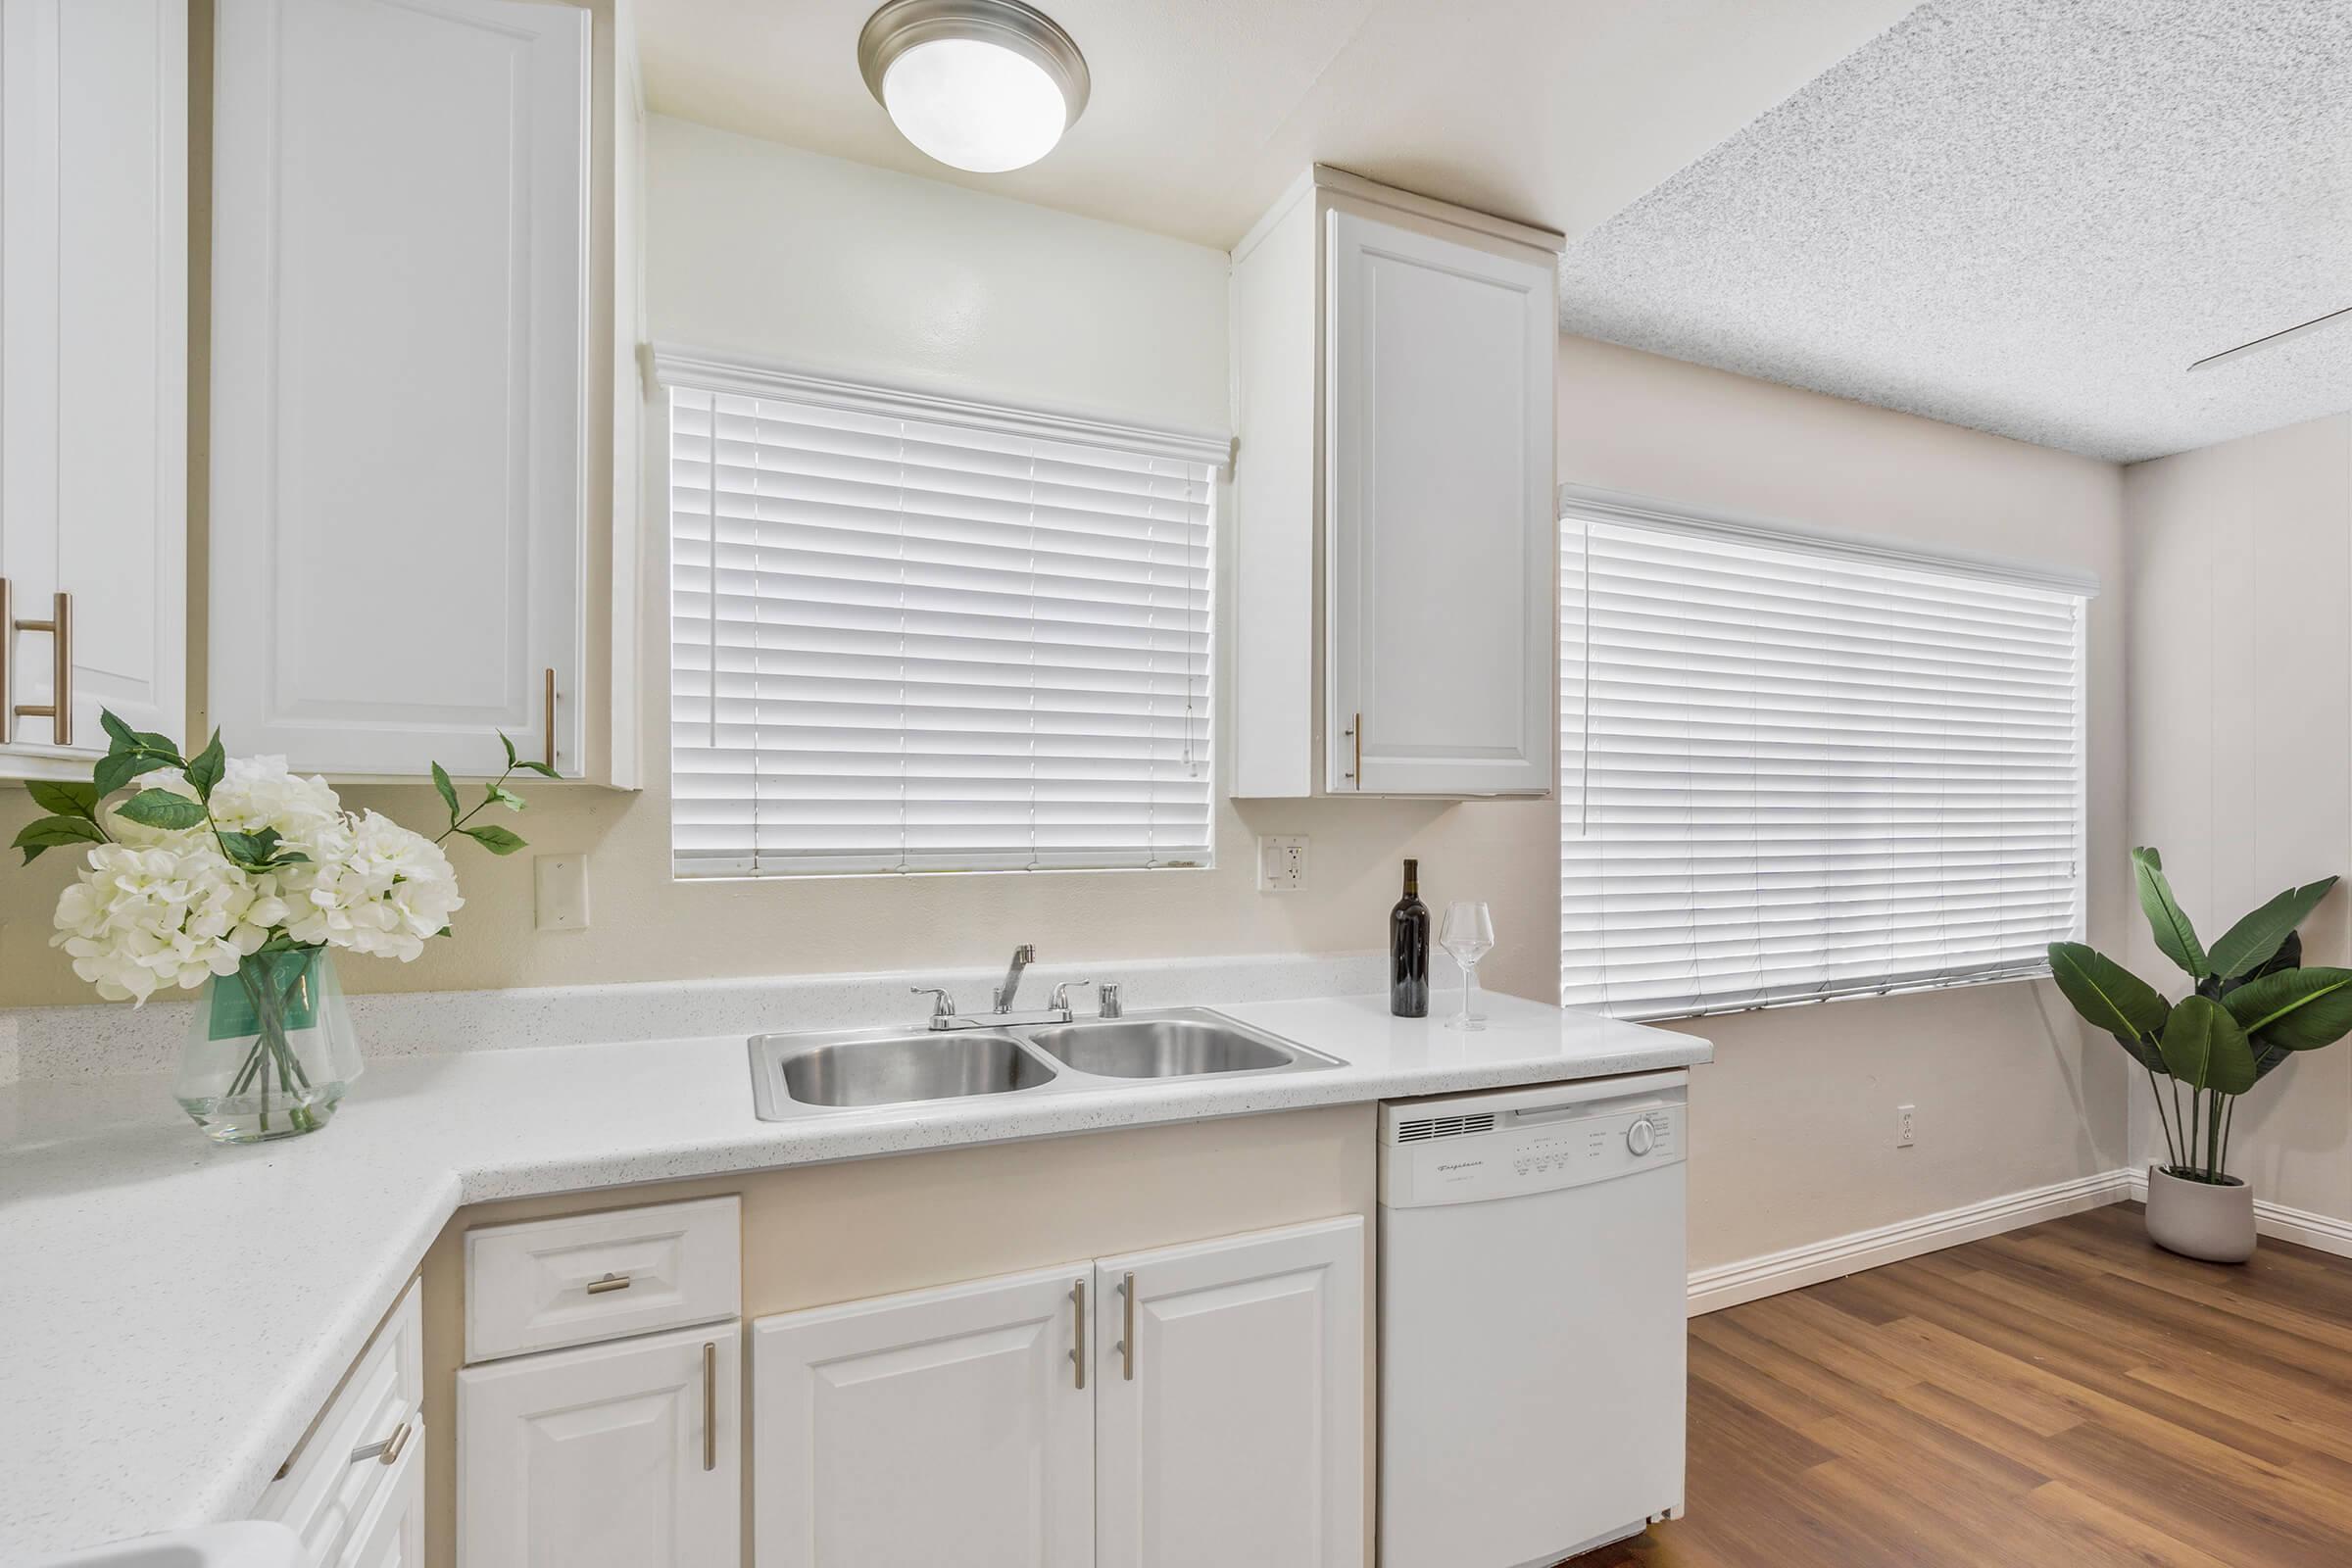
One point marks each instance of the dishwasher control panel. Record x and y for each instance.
(1532, 1151)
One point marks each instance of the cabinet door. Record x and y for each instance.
(1439, 507)
(93, 331)
(946, 1425)
(399, 299)
(1236, 1436)
(620, 1455)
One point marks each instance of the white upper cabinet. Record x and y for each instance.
(1231, 1419)
(1395, 372)
(93, 375)
(399, 409)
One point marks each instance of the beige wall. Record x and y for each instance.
(2241, 744)
(1796, 1119)
(769, 251)
(1794, 1125)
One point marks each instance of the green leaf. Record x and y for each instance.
(499, 795)
(496, 839)
(117, 768)
(164, 808)
(2205, 1048)
(2108, 996)
(2253, 941)
(449, 791)
(540, 768)
(126, 739)
(256, 851)
(205, 771)
(2301, 1009)
(510, 745)
(55, 832)
(2175, 938)
(64, 798)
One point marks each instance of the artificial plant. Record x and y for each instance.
(2252, 1005)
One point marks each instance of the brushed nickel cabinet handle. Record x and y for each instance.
(1355, 732)
(610, 1282)
(709, 1405)
(59, 710)
(1127, 1327)
(386, 1452)
(1078, 1318)
(547, 709)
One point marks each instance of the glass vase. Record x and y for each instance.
(271, 1050)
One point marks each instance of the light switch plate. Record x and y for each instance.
(1281, 862)
(560, 892)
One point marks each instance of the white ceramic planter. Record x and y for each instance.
(2199, 1220)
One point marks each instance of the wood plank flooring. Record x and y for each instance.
(2063, 1396)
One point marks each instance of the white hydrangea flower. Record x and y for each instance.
(140, 920)
(373, 887)
(259, 792)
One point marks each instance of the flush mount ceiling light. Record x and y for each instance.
(985, 85)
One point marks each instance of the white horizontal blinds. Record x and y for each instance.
(1805, 774)
(908, 646)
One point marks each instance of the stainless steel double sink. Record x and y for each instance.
(817, 1071)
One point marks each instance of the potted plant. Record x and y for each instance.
(2252, 1005)
(235, 875)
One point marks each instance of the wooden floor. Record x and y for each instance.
(2061, 1396)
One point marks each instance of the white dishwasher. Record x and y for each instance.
(1532, 1314)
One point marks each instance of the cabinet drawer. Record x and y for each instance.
(367, 1435)
(546, 1283)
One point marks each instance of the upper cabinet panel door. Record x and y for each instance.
(938, 1427)
(1233, 1433)
(93, 394)
(399, 322)
(1439, 547)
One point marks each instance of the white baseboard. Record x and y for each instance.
(2322, 1233)
(1730, 1284)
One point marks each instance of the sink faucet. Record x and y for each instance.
(1022, 958)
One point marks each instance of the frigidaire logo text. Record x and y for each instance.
(1461, 1165)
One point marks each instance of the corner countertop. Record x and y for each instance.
(177, 1312)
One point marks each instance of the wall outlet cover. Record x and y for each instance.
(560, 892)
(1281, 862)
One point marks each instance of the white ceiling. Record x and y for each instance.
(1555, 111)
(2025, 216)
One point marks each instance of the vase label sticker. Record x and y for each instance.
(289, 982)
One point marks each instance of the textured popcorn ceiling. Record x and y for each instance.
(2025, 216)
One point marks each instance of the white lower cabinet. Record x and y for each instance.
(618, 1455)
(1219, 1418)
(1236, 1435)
(391, 1533)
(946, 1426)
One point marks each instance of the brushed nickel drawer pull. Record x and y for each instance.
(1078, 1319)
(1127, 1342)
(59, 710)
(386, 1452)
(709, 1405)
(610, 1282)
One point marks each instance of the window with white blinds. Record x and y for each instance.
(902, 644)
(1795, 770)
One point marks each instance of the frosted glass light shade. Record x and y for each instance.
(985, 85)
(974, 105)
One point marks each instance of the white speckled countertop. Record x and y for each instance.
(176, 1313)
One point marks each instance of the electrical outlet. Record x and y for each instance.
(560, 890)
(1281, 862)
(1906, 1125)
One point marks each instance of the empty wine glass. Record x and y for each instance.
(1467, 935)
